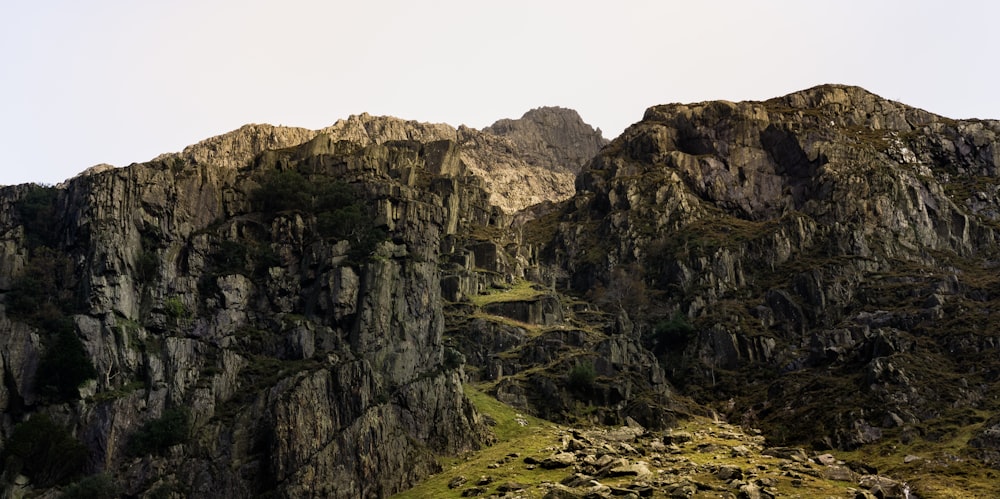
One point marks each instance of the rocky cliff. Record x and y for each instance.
(310, 313)
(211, 331)
(552, 136)
(818, 264)
(522, 162)
(260, 314)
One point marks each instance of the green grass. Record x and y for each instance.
(945, 468)
(532, 329)
(519, 291)
(532, 438)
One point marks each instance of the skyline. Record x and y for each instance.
(118, 82)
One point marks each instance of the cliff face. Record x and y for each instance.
(270, 329)
(831, 249)
(297, 313)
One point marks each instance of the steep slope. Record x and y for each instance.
(819, 264)
(237, 332)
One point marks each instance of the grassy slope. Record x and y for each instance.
(539, 438)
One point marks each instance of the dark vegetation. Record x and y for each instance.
(46, 295)
(44, 451)
(158, 435)
(98, 486)
(581, 376)
(37, 210)
(337, 210)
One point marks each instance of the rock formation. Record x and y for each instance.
(310, 313)
(523, 162)
(552, 136)
(831, 251)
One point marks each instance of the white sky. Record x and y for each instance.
(106, 81)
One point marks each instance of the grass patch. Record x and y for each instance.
(532, 329)
(944, 468)
(531, 438)
(519, 291)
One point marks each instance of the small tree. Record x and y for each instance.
(672, 334)
(99, 486)
(44, 451)
(581, 376)
(158, 435)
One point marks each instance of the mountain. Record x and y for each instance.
(344, 312)
(834, 253)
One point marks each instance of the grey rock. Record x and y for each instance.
(510, 487)
(559, 460)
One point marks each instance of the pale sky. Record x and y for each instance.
(105, 81)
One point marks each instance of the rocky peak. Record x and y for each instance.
(554, 137)
(522, 162)
(235, 149)
(367, 129)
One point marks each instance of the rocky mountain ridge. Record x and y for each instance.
(523, 161)
(299, 313)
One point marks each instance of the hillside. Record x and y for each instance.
(759, 299)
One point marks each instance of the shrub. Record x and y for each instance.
(99, 486)
(282, 190)
(230, 257)
(339, 213)
(65, 365)
(156, 436)
(44, 288)
(453, 359)
(147, 266)
(264, 257)
(581, 376)
(176, 309)
(43, 297)
(672, 334)
(37, 211)
(44, 451)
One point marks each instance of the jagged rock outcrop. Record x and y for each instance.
(554, 137)
(288, 313)
(522, 162)
(236, 149)
(823, 236)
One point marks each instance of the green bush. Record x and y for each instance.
(44, 288)
(37, 212)
(98, 486)
(65, 365)
(453, 359)
(281, 191)
(264, 257)
(581, 376)
(148, 266)
(672, 334)
(43, 297)
(230, 257)
(339, 213)
(44, 451)
(176, 309)
(156, 436)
